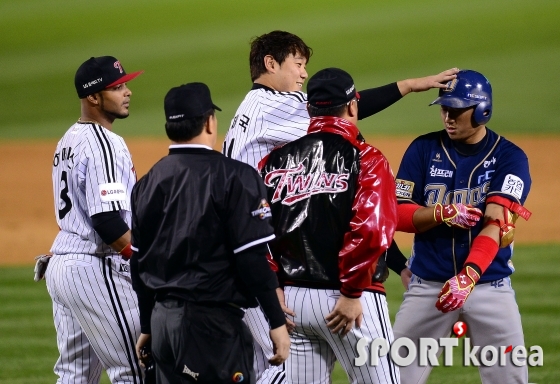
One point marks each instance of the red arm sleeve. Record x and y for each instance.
(373, 223)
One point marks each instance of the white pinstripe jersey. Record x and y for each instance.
(265, 119)
(92, 173)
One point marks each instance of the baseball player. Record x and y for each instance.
(334, 214)
(452, 177)
(199, 231)
(273, 113)
(95, 310)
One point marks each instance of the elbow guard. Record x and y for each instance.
(511, 211)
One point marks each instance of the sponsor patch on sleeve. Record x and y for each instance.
(404, 188)
(263, 211)
(513, 185)
(112, 192)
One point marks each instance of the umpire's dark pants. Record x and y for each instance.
(193, 343)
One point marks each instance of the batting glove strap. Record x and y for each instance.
(456, 290)
(457, 215)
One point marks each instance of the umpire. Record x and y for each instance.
(200, 223)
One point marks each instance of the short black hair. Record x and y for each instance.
(336, 111)
(278, 44)
(187, 129)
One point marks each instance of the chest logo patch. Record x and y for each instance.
(513, 185)
(404, 188)
(440, 172)
(300, 186)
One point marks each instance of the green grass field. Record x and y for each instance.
(515, 43)
(28, 348)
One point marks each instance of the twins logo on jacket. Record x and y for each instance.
(496, 167)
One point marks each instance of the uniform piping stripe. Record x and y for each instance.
(107, 264)
(253, 243)
(126, 326)
(382, 315)
(111, 159)
(108, 172)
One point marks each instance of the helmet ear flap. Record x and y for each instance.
(482, 113)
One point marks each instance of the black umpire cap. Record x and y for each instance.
(186, 101)
(99, 73)
(330, 87)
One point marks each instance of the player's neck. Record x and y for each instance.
(268, 81)
(93, 118)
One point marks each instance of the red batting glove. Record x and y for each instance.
(456, 290)
(457, 215)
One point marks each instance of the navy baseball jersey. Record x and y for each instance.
(434, 171)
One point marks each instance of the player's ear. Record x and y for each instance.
(93, 98)
(353, 108)
(269, 63)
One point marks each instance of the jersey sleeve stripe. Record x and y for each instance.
(253, 243)
(108, 160)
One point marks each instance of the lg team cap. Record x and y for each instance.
(99, 73)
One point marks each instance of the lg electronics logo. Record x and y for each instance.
(427, 350)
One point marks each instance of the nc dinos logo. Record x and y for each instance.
(450, 86)
(300, 186)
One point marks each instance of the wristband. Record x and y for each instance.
(126, 252)
(483, 251)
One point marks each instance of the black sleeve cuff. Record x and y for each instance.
(396, 261)
(375, 100)
(109, 226)
(271, 307)
(252, 267)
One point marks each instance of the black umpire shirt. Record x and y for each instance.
(197, 219)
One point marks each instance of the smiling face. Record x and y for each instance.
(460, 126)
(114, 101)
(291, 74)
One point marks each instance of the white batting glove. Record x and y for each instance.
(42, 261)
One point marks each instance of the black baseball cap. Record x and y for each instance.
(99, 73)
(330, 87)
(186, 101)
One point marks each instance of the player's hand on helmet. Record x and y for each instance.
(291, 326)
(280, 345)
(456, 290)
(347, 312)
(41, 263)
(457, 215)
(435, 81)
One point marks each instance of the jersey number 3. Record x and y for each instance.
(64, 196)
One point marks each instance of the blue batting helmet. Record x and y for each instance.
(468, 89)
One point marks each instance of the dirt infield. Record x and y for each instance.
(28, 226)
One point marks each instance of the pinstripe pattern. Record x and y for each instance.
(264, 120)
(91, 329)
(315, 349)
(95, 309)
(99, 156)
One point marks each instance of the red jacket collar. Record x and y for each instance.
(336, 125)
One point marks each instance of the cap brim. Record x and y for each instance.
(125, 79)
(216, 107)
(454, 102)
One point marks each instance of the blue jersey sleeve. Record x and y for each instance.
(511, 178)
